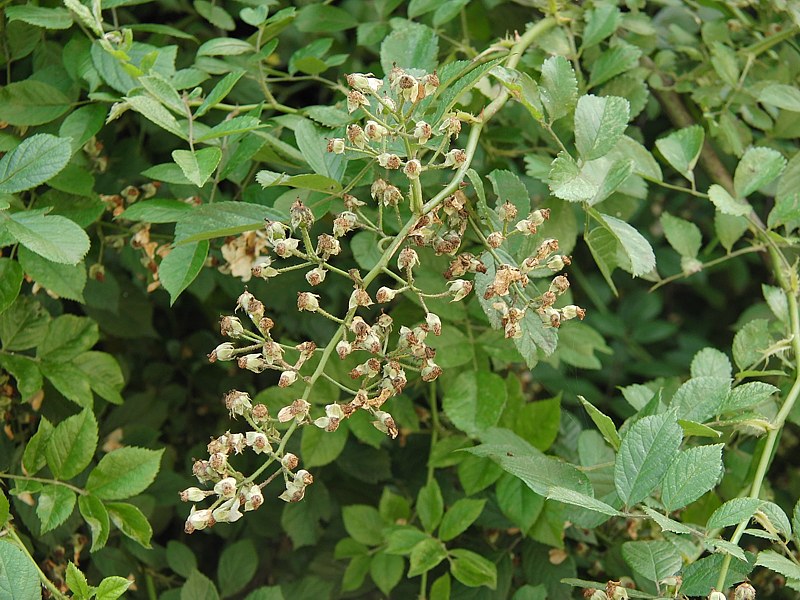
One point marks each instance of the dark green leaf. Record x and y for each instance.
(198, 166)
(614, 61)
(237, 566)
(19, 578)
(653, 560)
(733, 512)
(157, 210)
(681, 149)
(475, 401)
(363, 523)
(181, 266)
(65, 280)
(131, 522)
(459, 517)
(31, 102)
(757, 168)
(124, 472)
(584, 501)
(430, 506)
(603, 422)
(320, 17)
(10, 282)
(692, 473)
(180, 558)
(410, 46)
(71, 445)
(386, 570)
(199, 587)
(320, 447)
(39, 16)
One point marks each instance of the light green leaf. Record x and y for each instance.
(475, 401)
(558, 87)
(230, 127)
(222, 219)
(4, 509)
(787, 198)
(95, 514)
(113, 587)
(700, 398)
(508, 188)
(316, 18)
(778, 563)
(54, 506)
(130, 521)
(733, 512)
(574, 498)
(73, 384)
(653, 560)
(523, 89)
(34, 161)
(320, 447)
(538, 422)
(400, 540)
(425, 556)
(748, 395)
(198, 587)
(76, 581)
(614, 61)
(459, 517)
(237, 566)
(34, 458)
(363, 523)
(10, 282)
(473, 570)
(163, 91)
(215, 14)
(316, 183)
(635, 246)
(684, 236)
(518, 502)
(104, 374)
(430, 506)
(693, 428)
(219, 92)
(666, 523)
(124, 472)
(692, 473)
(729, 229)
(600, 23)
(65, 280)
(410, 46)
(154, 111)
(603, 422)
(599, 124)
(19, 579)
(725, 63)
(198, 166)
(39, 16)
(157, 210)
(181, 266)
(225, 46)
(568, 182)
(31, 102)
(645, 454)
(711, 362)
(67, 337)
(386, 570)
(783, 96)
(757, 168)
(751, 342)
(71, 445)
(681, 149)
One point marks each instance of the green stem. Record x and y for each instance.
(45, 580)
(75, 489)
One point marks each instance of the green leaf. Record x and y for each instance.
(215, 14)
(645, 454)
(222, 219)
(402, 539)
(35, 160)
(558, 87)
(751, 342)
(682, 235)
(225, 46)
(95, 514)
(475, 401)
(180, 558)
(600, 24)
(538, 422)
(155, 112)
(31, 102)
(614, 61)
(693, 428)
(425, 556)
(316, 18)
(599, 124)
(787, 197)
(65, 280)
(198, 166)
(34, 457)
(71, 445)
(747, 396)
(568, 182)
(430, 506)
(725, 63)
(778, 563)
(124, 472)
(386, 570)
(219, 92)
(4, 506)
(356, 572)
(320, 447)
(681, 149)
(603, 422)
(727, 204)
(653, 560)
(199, 587)
(733, 512)
(10, 282)
(574, 498)
(710, 362)
(67, 337)
(783, 96)
(157, 210)
(666, 523)
(508, 188)
(757, 168)
(363, 523)
(55, 505)
(692, 473)
(410, 46)
(636, 247)
(700, 576)
(130, 521)
(729, 229)
(317, 183)
(104, 373)
(76, 581)
(459, 517)
(518, 502)
(237, 566)
(23, 325)
(54, 238)
(73, 384)
(112, 587)
(230, 127)
(19, 579)
(700, 398)
(181, 266)
(39, 16)
(472, 569)
(523, 89)
(440, 589)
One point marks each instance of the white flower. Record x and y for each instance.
(226, 488)
(228, 511)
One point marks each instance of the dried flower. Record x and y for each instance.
(389, 161)
(375, 132)
(336, 145)
(253, 362)
(225, 488)
(364, 82)
(296, 410)
(198, 520)
(231, 327)
(460, 288)
(422, 131)
(455, 158)
(307, 301)
(356, 99)
(407, 259)
(225, 351)
(193, 494)
(413, 169)
(237, 403)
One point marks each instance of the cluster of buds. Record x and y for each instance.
(443, 228)
(614, 591)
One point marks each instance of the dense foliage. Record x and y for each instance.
(472, 298)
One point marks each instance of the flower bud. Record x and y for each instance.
(226, 488)
(275, 230)
(193, 494)
(389, 161)
(290, 461)
(198, 520)
(413, 168)
(434, 322)
(384, 295)
(253, 362)
(225, 351)
(336, 145)
(287, 378)
(231, 327)
(307, 301)
(744, 591)
(507, 211)
(316, 276)
(237, 402)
